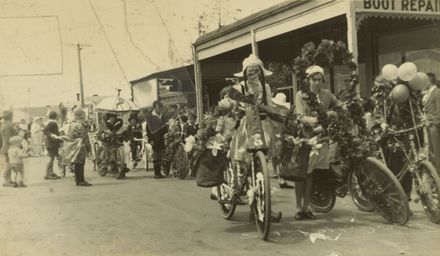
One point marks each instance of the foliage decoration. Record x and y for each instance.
(282, 74)
(395, 115)
(349, 129)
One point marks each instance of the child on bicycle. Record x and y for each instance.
(251, 133)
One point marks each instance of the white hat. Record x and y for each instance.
(314, 69)
(280, 100)
(252, 60)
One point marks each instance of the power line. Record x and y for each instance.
(166, 28)
(108, 41)
(130, 36)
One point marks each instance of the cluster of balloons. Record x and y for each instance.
(407, 72)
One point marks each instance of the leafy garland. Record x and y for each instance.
(349, 129)
(396, 115)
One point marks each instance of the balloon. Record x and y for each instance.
(400, 93)
(389, 72)
(407, 71)
(420, 81)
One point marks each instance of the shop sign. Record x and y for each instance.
(427, 7)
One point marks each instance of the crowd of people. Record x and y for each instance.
(63, 136)
(164, 127)
(235, 113)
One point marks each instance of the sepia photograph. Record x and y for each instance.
(219, 127)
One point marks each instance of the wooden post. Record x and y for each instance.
(352, 32)
(81, 85)
(294, 87)
(254, 43)
(198, 80)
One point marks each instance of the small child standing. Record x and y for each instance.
(16, 154)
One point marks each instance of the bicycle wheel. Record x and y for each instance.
(226, 194)
(119, 167)
(261, 203)
(101, 161)
(323, 198)
(180, 162)
(358, 197)
(427, 186)
(383, 190)
(95, 157)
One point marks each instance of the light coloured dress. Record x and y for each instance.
(327, 100)
(240, 140)
(37, 138)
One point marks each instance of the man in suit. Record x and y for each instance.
(431, 108)
(156, 128)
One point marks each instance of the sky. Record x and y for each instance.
(123, 40)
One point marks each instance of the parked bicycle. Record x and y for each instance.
(426, 181)
(110, 157)
(255, 181)
(371, 183)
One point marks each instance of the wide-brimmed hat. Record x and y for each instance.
(79, 114)
(15, 141)
(280, 100)
(253, 60)
(313, 70)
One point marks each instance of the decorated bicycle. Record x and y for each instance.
(357, 170)
(241, 166)
(111, 147)
(399, 127)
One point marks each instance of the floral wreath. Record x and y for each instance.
(328, 54)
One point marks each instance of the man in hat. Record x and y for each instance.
(156, 128)
(112, 138)
(6, 132)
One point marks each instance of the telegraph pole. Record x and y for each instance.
(80, 75)
(79, 47)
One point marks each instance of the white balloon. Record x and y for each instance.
(400, 93)
(407, 71)
(389, 72)
(420, 81)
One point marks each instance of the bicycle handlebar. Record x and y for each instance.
(406, 130)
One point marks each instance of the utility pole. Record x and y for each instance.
(219, 15)
(80, 75)
(79, 47)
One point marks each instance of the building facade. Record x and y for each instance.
(377, 32)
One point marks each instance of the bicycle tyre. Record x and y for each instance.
(262, 200)
(430, 205)
(357, 195)
(227, 203)
(95, 151)
(180, 162)
(102, 168)
(323, 198)
(383, 190)
(119, 167)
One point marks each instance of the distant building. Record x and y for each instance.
(174, 86)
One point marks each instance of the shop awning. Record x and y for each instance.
(271, 22)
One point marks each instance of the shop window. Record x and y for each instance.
(419, 45)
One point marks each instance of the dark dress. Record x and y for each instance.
(52, 144)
